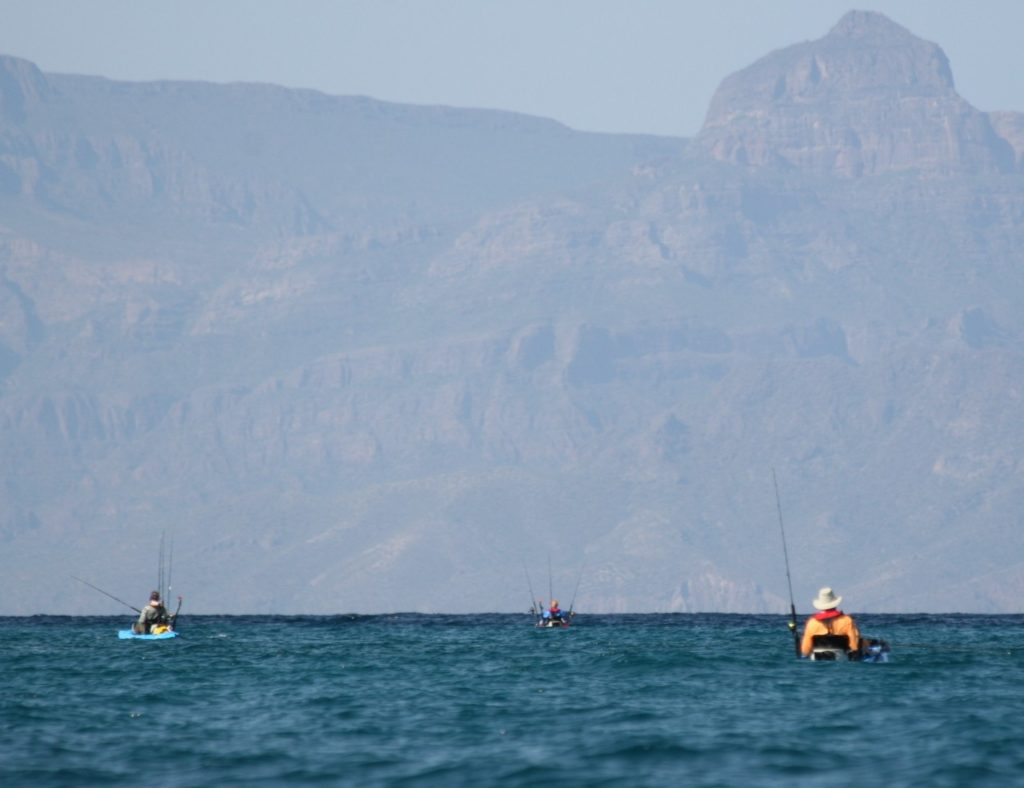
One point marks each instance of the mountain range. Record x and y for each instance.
(354, 356)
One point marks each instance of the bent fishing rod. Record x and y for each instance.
(97, 588)
(789, 581)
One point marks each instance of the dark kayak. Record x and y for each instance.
(552, 623)
(833, 648)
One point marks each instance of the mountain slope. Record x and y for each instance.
(361, 356)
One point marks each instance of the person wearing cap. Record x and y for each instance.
(829, 620)
(154, 614)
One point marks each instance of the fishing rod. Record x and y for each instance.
(164, 576)
(533, 605)
(572, 603)
(160, 566)
(170, 568)
(80, 580)
(551, 593)
(174, 618)
(789, 581)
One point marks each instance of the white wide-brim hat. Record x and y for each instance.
(827, 599)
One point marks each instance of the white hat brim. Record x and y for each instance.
(820, 605)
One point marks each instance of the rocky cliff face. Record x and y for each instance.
(1010, 126)
(866, 99)
(359, 356)
(22, 87)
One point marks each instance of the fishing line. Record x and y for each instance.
(572, 604)
(971, 649)
(80, 580)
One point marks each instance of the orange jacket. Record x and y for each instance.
(829, 622)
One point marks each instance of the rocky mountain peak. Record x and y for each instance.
(875, 53)
(873, 27)
(868, 97)
(21, 83)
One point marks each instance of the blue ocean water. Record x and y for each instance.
(489, 700)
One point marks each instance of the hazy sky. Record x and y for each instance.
(603, 65)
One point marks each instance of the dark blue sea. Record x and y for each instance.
(489, 700)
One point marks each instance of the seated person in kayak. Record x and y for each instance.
(154, 614)
(555, 612)
(829, 621)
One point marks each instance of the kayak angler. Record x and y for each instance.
(154, 618)
(152, 624)
(830, 629)
(553, 616)
(829, 634)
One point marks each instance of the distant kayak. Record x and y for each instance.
(553, 623)
(127, 634)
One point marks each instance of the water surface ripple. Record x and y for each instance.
(489, 700)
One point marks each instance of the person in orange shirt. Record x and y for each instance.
(829, 621)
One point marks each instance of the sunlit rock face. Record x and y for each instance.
(867, 98)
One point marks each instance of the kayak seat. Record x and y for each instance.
(831, 641)
(830, 648)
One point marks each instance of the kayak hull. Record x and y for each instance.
(872, 651)
(127, 634)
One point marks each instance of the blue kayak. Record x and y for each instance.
(127, 634)
(876, 651)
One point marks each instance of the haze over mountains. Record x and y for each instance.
(359, 356)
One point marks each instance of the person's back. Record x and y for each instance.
(830, 620)
(152, 615)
